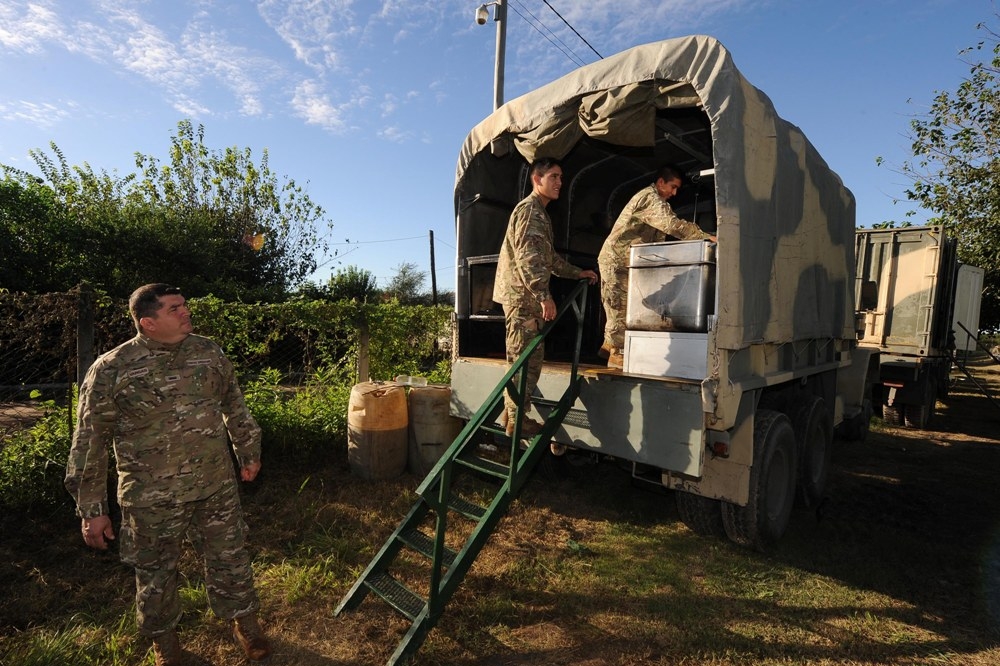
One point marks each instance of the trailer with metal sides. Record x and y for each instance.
(919, 304)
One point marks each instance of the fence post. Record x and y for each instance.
(85, 351)
(363, 369)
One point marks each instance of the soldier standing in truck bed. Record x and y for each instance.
(646, 218)
(169, 403)
(527, 262)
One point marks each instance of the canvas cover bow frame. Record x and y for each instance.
(784, 220)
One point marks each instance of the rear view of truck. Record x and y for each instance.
(742, 356)
(916, 300)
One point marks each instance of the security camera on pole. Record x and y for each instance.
(500, 16)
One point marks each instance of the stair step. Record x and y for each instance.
(472, 461)
(466, 508)
(424, 545)
(494, 429)
(396, 594)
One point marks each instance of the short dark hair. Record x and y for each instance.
(543, 165)
(145, 301)
(669, 172)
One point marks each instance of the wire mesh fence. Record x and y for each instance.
(47, 342)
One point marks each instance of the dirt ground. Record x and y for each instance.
(913, 515)
(14, 415)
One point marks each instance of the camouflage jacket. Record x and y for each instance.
(527, 257)
(646, 218)
(170, 412)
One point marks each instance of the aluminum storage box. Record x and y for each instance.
(666, 354)
(671, 286)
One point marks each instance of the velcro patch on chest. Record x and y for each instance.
(199, 361)
(138, 372)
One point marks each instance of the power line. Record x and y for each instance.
(572, 56)
(565, 48)
(384, 240)
(572, 28)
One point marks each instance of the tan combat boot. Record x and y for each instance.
(529, 427)
(167, 649)
(248, 635)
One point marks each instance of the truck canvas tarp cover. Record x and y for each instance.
(776, 284)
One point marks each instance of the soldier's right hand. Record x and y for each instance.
(97, 532)
(548, 309)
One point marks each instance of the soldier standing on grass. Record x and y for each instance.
(169, 403)
(646, 218)
(527, 262)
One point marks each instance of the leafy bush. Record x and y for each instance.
(33, 463)
(300, 424)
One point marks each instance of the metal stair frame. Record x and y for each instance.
(448, 567)
(961, 363)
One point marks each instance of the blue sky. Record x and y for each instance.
(367, 102)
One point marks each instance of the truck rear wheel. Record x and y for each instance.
(917, 416)
(814, 438)
(702, 515)
(892, 415)
(920, 416)
(765, 517)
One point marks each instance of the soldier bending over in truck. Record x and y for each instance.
(646, 218)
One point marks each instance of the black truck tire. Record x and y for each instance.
(762, 522)
(814, 437)
(702, 515)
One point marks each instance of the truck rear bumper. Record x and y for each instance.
(645, 420)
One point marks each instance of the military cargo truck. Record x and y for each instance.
(917, 299)
(734, 404)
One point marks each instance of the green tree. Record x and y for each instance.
(347, 284)
(955, 169)
(407, 285)
(33, 238)
(210, 221)
(353, 283)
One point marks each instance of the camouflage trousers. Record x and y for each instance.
(614, 296)
(523, 323)
(151, 539)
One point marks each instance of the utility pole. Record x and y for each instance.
(500, 18)
(434, 282)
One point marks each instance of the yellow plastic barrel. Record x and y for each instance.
(432, 428)
(377, 430)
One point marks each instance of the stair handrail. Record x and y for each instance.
(575, 301)
(979, 345)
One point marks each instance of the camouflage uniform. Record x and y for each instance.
(527, 261)
(646, 218)
(170, 412)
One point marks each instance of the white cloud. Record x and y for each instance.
(395, 134)
(312, 105)
(389, 104)
(313, 30)
(27, 27)
(39, 114)
(196, 53)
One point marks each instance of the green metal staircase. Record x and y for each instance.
(461, 501)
